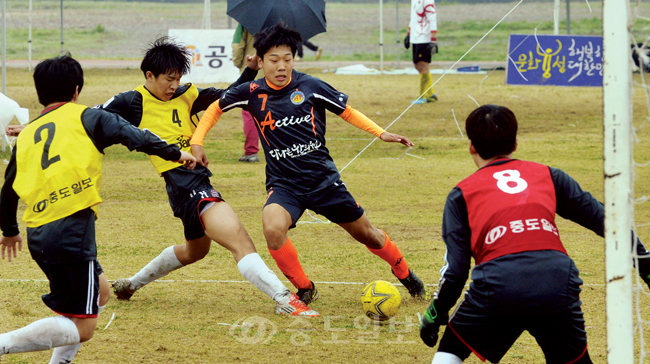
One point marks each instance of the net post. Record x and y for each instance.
(617, 143)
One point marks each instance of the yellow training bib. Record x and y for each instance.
(58, 166)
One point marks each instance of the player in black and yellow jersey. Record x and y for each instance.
(289, 109)
(56, 168)
(169, 110)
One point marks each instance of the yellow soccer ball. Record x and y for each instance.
(380, 300)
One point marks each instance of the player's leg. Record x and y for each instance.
(65, 354)
(562, 336)
(421, 60)
(378, 242)
(224, 227)
(450, 350)
(281, 211)
(74, 297)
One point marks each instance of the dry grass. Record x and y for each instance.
(182, 320)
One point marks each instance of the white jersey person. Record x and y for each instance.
(422, 35)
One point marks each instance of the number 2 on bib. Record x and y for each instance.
(510, 181)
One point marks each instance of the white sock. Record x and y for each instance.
(43, 334)
(253, 268)
(159, 267)
(65, 354)
(445, 358)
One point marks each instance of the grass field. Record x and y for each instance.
(187, 317)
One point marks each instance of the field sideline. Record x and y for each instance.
(189, 317)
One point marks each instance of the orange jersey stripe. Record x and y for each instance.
(208, 120)
(356, 118)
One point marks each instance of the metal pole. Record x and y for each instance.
(619, 199)
(29, 41)
(568, 17)
(4, 47)
(206, 14)
(397, 30)
(556, 17)
(61, 25)
(381, 36)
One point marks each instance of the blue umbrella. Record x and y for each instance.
(306, 16)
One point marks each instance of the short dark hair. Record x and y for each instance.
(274, 36)
(163, 55)
(492, 130)
(56, 79)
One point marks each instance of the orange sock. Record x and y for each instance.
(287, 260)
(391, 254)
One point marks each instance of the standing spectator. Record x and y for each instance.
(503, 215)
(422, 34)
(310, 45)
(242, 46)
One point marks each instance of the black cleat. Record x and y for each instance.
(415, 286)
(308, 295)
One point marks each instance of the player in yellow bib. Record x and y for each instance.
(169, 110)
(56, 168)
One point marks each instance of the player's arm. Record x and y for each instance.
(128, 105)
(361, 121)
(208, 120)
(11, 238)
(209, 95)
(456, 234)
(106, 129)
(579, 206)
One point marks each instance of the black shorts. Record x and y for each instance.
(421, 53)
(335, 203)
(187, 207)
(535, 291)
(74, 288)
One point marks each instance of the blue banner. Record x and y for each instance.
(555, 60)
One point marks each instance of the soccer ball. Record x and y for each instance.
(380, 300)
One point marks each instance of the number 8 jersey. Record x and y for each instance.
(511, 209)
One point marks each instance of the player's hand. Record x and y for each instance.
(14, 130)
(430, 325)
(251, 62)
(199, 153)
(395, 138)
(188, 160)
(407, 41)
(9, 245)
(433, 48)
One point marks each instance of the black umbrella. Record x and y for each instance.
(306, 16)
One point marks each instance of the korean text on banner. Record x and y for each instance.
(211, 51)
(555, 60)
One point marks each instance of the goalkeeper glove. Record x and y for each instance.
(407, 41)
(432, 47)
(430, 325)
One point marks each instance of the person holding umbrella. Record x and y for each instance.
(289, 108)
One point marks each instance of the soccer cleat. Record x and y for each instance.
(253, 158)
(433, 98)
(295, 307)
(308, 295)
(319, 53)
(122, 290)
(415, 286)
(420, 101)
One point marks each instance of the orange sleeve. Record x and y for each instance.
(208, 120)
(356, 118)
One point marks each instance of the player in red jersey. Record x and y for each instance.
(289, 110)
(503, 215)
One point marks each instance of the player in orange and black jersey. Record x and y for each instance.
(289, 110)
(169, 110)
(56, 168)
(503, 216)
